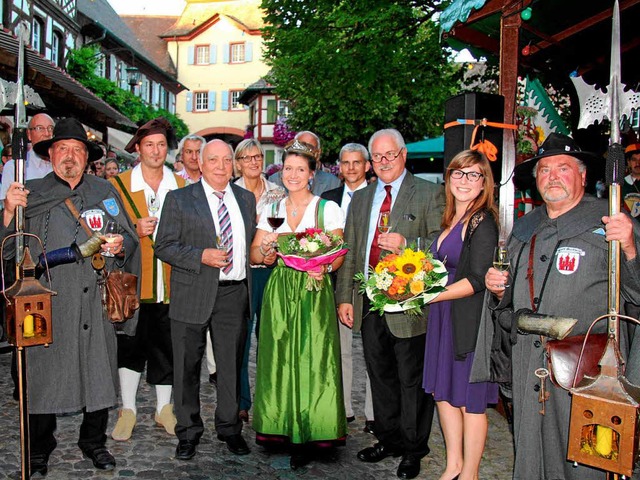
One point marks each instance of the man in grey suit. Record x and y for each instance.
(393, 343)
(210, 285)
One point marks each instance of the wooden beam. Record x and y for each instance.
(509, 54)
(578, 27)
(475, 38)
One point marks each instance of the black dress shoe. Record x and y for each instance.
(299, 460)
(185, 450)
(101, 458)
(213, 378)
(39, 464)
(369, 427)
(409, 467)
(235, 444)
(376, 453)
(350, 419)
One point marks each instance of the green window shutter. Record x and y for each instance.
(272, 111)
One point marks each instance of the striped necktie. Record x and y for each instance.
(225, 229)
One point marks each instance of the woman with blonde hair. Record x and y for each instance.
(466, 244)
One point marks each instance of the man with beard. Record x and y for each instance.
(77, 372)
(559, 266)
(143, 190)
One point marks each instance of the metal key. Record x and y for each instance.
(543, 394)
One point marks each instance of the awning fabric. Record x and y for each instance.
(428, 148)
(458, 11)
(63, 95)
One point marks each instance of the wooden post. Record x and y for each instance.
(509, 52)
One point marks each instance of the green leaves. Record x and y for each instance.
(352, 67)
(82, 66)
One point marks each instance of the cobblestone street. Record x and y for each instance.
(149, 454)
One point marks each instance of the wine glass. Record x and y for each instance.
(274, 217)
(384, 222)
(153, 205)
(501, 260)
(110, 233)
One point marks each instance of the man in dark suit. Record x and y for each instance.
(354, 165)
(393, 343)
(210, 285)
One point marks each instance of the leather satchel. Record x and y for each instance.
(120, 297)
(562, 356)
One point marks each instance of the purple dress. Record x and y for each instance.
(444, 376)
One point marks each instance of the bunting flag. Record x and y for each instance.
(548, 117)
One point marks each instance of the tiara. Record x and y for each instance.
(302, 148)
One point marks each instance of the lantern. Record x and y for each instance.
(28, 308)
(604, 417)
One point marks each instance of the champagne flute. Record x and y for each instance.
(384, 222)
(153, 205)
(110, 233)
(501, 260)
(223, 243)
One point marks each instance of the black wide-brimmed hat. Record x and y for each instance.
(557, 144)
(69, 129)
(157, 125)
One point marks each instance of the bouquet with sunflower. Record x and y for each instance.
(404, 283)
(308, 251)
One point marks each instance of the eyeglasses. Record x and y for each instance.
(471, 176)
(250, 158)
(389, 156)
(41, 128)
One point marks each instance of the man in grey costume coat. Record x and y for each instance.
(77, 372)
(564, 245)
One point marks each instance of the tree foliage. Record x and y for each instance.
(351, 67)
(82, 66)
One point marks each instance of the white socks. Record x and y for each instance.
(129, 381)
(163, 394)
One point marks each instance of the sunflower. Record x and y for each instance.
(409, 263)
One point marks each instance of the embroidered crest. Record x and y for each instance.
(112, 206)
(568, 260)
(94, 218)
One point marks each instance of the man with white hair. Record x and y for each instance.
(322, 181)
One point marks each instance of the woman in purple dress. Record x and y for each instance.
(466, 243)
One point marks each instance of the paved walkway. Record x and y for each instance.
(149, 454)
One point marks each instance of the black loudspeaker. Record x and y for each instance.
(473, 106)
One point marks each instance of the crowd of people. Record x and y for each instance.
(203, 242)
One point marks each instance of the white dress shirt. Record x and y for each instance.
(35, 167)
(238, 272)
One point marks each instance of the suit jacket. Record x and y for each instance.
(417, 212)
(334, 195)
(186, 228)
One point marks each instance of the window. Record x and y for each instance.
(202, 55)
(272, 112)
(283, 108)
(237, 53)
(57, 49)
(101, 67)
(233, 100)
(37, 40)
(202, 102)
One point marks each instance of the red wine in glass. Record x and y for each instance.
(275, 222)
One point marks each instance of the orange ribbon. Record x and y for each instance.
(484, 146)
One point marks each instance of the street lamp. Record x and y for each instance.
(133, 75)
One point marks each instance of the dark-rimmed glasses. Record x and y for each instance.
(471, 176)
(41, 128)
(251, 158)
